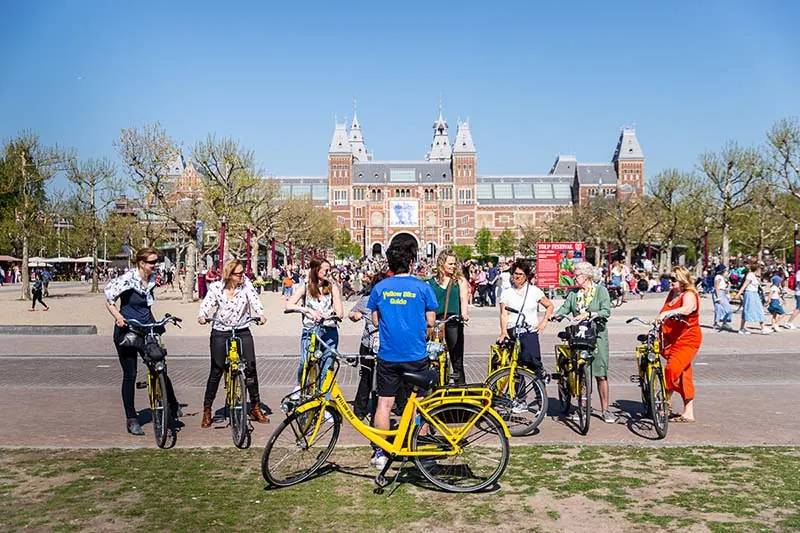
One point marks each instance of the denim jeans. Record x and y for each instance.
(331, 336)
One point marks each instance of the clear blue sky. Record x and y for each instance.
(534, 78)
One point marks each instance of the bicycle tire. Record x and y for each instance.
(564, 394)
(532, 393)
(659, 407)
(161, 414)
(237, 412)
(645, 390)
(584, 398)
(286, 446)
(474, 469)
(310, 387)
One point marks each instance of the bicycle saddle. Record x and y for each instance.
(422, 380)
(563, 335)
(641, 338)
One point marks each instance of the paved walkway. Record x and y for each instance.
(64, 391)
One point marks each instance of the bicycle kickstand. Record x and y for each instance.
(382, 482)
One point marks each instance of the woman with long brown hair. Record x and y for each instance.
(682, 338)
(452, 293)
(229, 303)
(322, 305)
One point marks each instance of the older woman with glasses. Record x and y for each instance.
(592, 299)
(230, 302)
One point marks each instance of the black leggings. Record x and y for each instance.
(128, 360)
(37, 297)
(219, 352)
(361, 404)
(454, 338)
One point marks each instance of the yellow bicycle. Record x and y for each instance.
(574, 358)
(437, 350)
(520, 397)
(236, 389)
(452, 435)
(651, 374)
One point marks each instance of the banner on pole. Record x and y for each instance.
(555, 263)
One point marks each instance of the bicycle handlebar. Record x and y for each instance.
(168, 318)
(574, 320)
(241, 325)
(454, 318)
(334, 318)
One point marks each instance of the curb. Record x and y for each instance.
(47, 330)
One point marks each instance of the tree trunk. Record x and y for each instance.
(254, 249)
(668, 257)
(189, 280)
(726, 244)
(26, 280)
(95, 281)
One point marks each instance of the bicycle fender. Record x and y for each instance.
(497, 417)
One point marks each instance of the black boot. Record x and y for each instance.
(133, 427)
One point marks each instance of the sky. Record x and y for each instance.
(534, 79)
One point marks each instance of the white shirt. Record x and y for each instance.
(230, 313)
(505, 280)
(754, 283)
(719, 280)
(774, 292)
(797, 282)
(529, 307)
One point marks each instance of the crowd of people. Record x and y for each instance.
(396, 328)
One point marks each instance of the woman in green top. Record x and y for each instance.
(452, 293)
(593, 299)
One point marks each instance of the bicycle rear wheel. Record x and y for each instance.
(523, 408)
(659, 407)
(289, 457)
(161, 412)
(237, 411)
(584, 398)
(484, 449)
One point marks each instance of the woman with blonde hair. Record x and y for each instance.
(229, 303)
(681, 338)
(452, 294)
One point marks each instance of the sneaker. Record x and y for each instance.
(379, 460)
(766, 331)
(787, 326)
(609, 418)
(519, 406)
(295, 396)
(744, 332)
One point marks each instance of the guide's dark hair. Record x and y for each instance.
(399, 258)
(404, 240)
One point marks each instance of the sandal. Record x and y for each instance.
(681, 420)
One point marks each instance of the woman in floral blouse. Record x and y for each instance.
(231, 302)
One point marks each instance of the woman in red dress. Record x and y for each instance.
(681, 340)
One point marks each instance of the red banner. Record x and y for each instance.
(555, 263)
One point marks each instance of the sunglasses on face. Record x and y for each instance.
(151, 262)
(673, 279)
(238, 273)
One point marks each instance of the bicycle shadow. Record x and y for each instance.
(637, 421)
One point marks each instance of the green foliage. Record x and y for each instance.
(344, 246)
(462, 251)
(506, 243)
(483, 242)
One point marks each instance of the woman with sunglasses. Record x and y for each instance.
(681, 339)
(135, 290)
(592, 299)
(230, 302)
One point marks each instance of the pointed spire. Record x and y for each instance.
(628, 146)
(464, 143)
(440, 147)
(339, 142)
(357, 146)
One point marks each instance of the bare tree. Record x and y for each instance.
(25, 169)
(731, 173)
(96, 189)
(782, 156)
(674, 194)
(148, 153)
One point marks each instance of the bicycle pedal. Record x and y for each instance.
(141, 385)
(636, 379)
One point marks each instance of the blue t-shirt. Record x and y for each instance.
(401, 302)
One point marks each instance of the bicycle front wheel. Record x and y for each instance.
(584, 398)
(297, 449)
(237, 411)
(484, 449)
(521, 406)
(162, 417)
(659, 407)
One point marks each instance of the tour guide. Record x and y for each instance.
(403, 307)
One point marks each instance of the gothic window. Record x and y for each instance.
(340, 197)
(446, 193)
(358, 194)
(465, 196)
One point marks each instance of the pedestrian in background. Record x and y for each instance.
(775, 307)
(723, 314)
(36, 292)
(752, 308)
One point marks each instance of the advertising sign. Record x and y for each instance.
(403, 213)
(555, 263)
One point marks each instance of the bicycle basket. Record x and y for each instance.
(434, 349)
(132, 339)
(582, 336)
(153, 351)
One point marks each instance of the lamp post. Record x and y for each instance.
(705, 247)
(249, 247)
(796, 248)
(222, 228)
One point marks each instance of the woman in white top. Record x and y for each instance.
(229, 303)
(322, 306)
(752, 309)
(525, 297)
(722, 304)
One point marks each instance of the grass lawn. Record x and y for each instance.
(546, 488)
